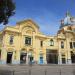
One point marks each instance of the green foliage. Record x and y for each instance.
(7, 9)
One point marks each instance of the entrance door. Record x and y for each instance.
(31, 60)
(72, 57)
(41, 60)
(52, 57)
(23, 58)
(9, 57)
(63, 60)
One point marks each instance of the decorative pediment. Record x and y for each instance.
(10, 50)
(28, 24)
(24, 50)
(28, 30)
(28, 21)
(69, 28)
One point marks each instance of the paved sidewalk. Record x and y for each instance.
(37, 70)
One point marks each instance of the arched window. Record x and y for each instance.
(11, 39)
(62, 44)
(27, 40)
(74, 44)
(41, 43)
(51, 42)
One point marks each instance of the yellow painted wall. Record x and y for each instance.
(28, 28)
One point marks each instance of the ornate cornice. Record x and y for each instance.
(28, 20)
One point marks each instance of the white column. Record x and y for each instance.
(59, 58)
(13, 57)
(59, 52)
(33, 41)
(16, 57)
(34, 47)
(45, 61)
(3, 56)
(27, 59)
(68, 58)
(34, 55)
(68, 51)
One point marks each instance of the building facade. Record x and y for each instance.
(25, 44)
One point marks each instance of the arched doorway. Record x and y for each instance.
(52, 56)
(63, 58)
(41, 58)
(23, 55)
(9, 57)
(72, 57)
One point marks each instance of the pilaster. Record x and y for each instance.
(68, 49)
(3, 56)
(16, 57)
(59, 52)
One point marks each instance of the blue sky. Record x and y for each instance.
(46, 13)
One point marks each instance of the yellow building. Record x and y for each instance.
(24, 43)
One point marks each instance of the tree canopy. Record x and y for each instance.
(7, 9)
